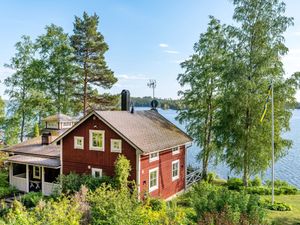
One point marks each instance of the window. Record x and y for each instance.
(175, 170)
(175, 150)
(78, 142)
(153, 157)
(116, 145)
(37, 172)
(97, 140)
(153, 179)
(96, 172)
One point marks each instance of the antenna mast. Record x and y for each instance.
(152, 84)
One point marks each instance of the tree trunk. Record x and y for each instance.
(85, 90)
(22, 126)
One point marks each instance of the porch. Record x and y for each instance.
(36, 174)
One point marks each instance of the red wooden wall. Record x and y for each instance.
(77, 160)
(166, 187)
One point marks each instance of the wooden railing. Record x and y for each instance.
(193, 177)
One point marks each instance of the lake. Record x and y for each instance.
(287, 168)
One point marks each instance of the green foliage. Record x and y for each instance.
(31, 199)
(256, 182)
(122, 171)
(60, 80)
(36, 130)
(235, 184)
(156, 204)
(213, 202)
(256, 48)
(112, 206)
(64, 211)
(203, 74)
(211, 176)
(277, 206)
(72, 182)
(89, 49)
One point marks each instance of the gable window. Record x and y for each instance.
(97, 140)
(96, 172)
(153, 157)
(37, 172)
(175, 170)
(153, 179)
(78, 142)
(175, 150)
(116, 145)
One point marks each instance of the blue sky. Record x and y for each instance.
(147, 39)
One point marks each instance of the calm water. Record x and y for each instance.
(287, 168)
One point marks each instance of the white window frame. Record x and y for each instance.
(112, 149)
(175, 150)
(75, 142)
(91, 140)
(157, 179)
(177, 176)
(153, 158)
(34, 170)
(94, 170)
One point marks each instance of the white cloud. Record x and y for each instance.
(171, 51)
(163, 45)
(132, 77)
(6, 71)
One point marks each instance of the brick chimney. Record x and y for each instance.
(46, 138)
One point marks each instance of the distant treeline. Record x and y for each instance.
(164, 103)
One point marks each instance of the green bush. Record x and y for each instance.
(256, 182)
(7, 191)
(156, 204)
(277, 206)
(235, 184)
(72, 182)
(31, 199)
(211, 176)
(237, 207)
(4, 178)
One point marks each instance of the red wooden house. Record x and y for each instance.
(156, 148)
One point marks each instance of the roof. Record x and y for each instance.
(60, 117)
(34, 147)
(146, 130)
(37, 161)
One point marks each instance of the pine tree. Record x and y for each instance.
(90, 47)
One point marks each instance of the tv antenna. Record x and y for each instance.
(152, 84)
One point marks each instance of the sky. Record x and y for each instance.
(147, 39)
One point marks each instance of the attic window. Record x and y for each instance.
(78, 142)
(116, 145)
(153, 156)
(97, 140)
(175, 150)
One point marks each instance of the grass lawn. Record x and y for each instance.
(290, 217)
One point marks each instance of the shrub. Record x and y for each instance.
(63, 211)
(156, 204)
(289, 190)
(277, 206)
(4, 178)
(7, 191)
(256, 182)
(215, 201)
(31, 199)
(122, 171)
(235, 184)
(72, 182)
(211, 176)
